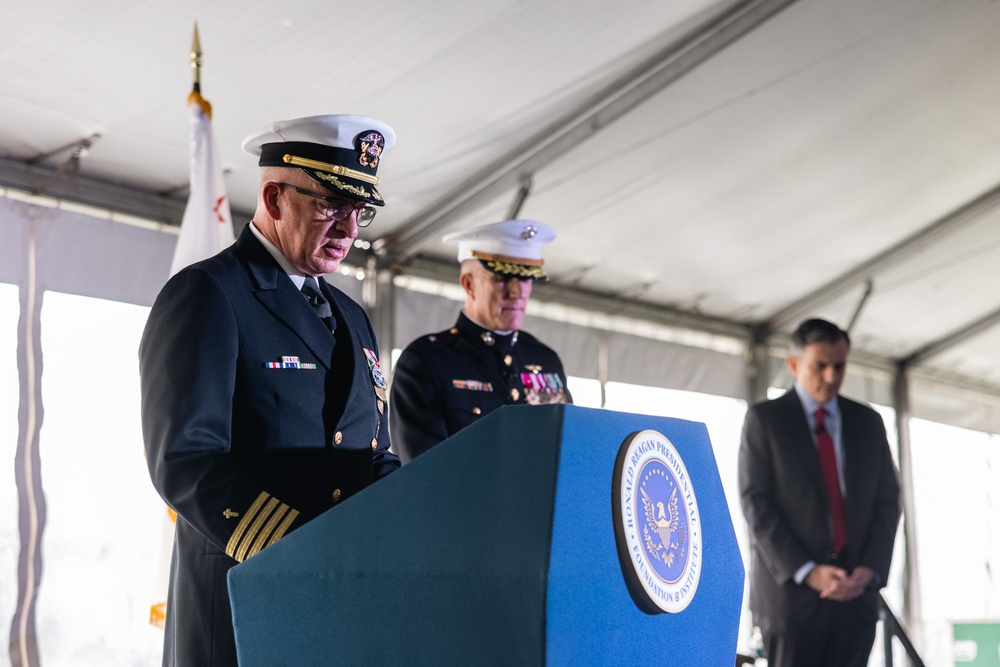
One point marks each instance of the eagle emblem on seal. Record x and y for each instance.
(661, 521)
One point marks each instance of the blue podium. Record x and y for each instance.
(542, 535)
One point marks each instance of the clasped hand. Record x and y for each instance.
(834, 583)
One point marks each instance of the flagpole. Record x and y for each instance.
(195, 96)
(196, 60)
(206, 228)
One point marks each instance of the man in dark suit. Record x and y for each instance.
(446, 381)
(262, 405)
(821, 500)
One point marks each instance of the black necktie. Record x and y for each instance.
(310, 290)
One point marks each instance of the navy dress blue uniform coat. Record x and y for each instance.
(241, 445)
(784, 501)
(446, 381)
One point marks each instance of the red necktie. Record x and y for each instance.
(828, 461)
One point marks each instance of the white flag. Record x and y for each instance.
(207, 226)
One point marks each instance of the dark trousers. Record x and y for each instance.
(833, 634)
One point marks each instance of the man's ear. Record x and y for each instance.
(466, 280)
(269, 195)
(793, 365)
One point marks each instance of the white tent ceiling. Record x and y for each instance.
(763, 179)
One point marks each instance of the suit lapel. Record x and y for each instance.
(336, 299)
(852, 445)
(851, 442)
(276, 292)
(347, 333)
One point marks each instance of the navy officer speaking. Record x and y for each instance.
(446, 381)
(262, 398)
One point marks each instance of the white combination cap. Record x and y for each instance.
(340, 152)
(510, 248)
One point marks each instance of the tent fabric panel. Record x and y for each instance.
(950, 405)
(101, 258)
(419, 314)
(84, 255)
(13, 241)
(644, 361)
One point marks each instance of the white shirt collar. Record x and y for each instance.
(282, 261)
(483, 326)
(811, 405)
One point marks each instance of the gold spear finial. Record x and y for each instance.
(196, 59)
(195, 96)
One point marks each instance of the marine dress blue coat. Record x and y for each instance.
(446, 381)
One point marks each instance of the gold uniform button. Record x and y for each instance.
(374, 444)
(476, 410)
(338, 437)
(515, 394)
(508, 360)
(453, 331)
(336, 495)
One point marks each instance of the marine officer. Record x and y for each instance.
(446, 381)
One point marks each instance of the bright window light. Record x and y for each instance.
(586, 392)
(103, 530)
(9, 399)
(956, 489)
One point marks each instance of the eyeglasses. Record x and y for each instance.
(338, 209)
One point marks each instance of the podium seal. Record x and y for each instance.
(657, 524)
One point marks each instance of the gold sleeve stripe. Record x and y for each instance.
(254, 529)
(283, 528)
(264, 523)
(262, 536)
(245, 523)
